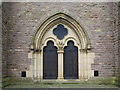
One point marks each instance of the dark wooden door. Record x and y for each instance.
(50, 61)
(70, 61)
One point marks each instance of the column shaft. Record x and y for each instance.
(60, 65)
(39, 64)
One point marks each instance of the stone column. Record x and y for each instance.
(79, 65)
(82, 64)
(32, 61)
(39, 65)
(34, 65)
(60, 64)
(60, 60)
(85, 65)
(88, 65)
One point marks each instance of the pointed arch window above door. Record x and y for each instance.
(60, 31)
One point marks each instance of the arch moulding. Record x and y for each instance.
(82, 42)
(64, 19)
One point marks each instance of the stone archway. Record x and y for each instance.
(76, 34)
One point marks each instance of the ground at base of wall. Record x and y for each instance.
(105, 82)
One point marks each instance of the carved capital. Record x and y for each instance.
(60, 47)
(37, 50)
(83, 50)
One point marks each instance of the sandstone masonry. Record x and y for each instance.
(21, 20)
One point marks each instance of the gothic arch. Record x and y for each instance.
(66, 20)
(76, 34)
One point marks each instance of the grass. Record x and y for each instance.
(105, 82)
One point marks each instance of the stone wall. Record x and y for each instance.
(0, 46)
(115, 32)
(117, 41)
(23, 19)
(118, 27)
(4, 43)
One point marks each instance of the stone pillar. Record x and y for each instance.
(85, 65)
(39, 65)
(82, 65)
(34, 65)
(79, 65)
(60, 64)
(60, 60)
(32, 60)
(89, 65)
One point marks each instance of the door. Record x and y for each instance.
(70, 61)
(50, 63)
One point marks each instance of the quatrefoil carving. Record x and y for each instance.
(60, 31)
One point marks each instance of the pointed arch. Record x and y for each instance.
(64, 19)
(76, 33)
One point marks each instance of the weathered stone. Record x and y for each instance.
(21, 21)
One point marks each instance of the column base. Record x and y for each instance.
(60, 78)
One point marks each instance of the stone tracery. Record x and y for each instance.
(76, 34)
